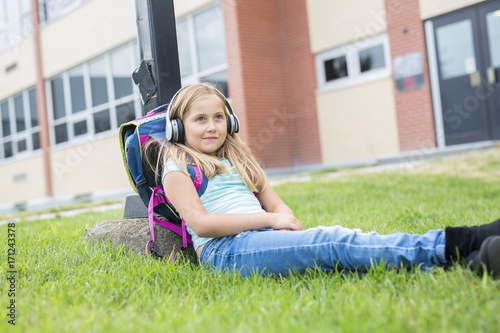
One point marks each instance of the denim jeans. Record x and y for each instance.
(268, 251)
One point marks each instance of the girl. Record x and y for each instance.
(240, 223)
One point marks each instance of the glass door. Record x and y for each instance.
(465, 116)
(489, 17)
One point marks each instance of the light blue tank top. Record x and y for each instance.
(225, 194)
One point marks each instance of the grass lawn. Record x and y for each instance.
(63, 284)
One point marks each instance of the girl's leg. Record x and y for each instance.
(461, 241)
(273, 252)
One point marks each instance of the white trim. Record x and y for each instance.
(67, 105)
(10, 137)
(88, 97)
(27, 121)
(434, 81)
(50, 112)
(12, 119)
(110, 85)
(354, 75)
(84, 139)
(22, 135)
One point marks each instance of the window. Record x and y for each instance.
(80, 127)
(102, 121)
(33, 109)
(19, 113)
(77, 89)
(125, 112)
(353, 64)
(335, 68)
(121, 63)
(371, 58)
(61, 133)
(15, 21)
(202, 47)
(4, 107)
(93, 98)
(184, 48)
(98, 82)
(20, 131)
(59, 105)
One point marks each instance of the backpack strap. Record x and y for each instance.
(198, 178)
(158, 197)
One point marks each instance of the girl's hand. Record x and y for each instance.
(283, 221)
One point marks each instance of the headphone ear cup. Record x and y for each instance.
(169, 131)
(229, 124)
(180, 130)
(236, 124)
(233, 125)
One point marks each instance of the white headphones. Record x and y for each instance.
(175, 130)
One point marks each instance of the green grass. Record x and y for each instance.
(66, 285)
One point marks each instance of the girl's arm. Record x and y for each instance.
(181, 192)
(272, 202)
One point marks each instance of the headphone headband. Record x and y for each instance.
(175, 130)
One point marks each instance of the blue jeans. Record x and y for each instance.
(270, 251)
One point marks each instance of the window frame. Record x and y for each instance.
(70, 118)
(355, 76)
(15, 137)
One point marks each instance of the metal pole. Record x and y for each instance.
(158, 75)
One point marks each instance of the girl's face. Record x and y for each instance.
(205, 125)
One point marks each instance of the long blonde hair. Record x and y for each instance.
(233, 149)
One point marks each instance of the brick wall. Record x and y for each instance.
(413, 108)
(301, 83)
(272, 80)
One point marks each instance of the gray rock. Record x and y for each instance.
(134, 235)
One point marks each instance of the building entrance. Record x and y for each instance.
(467, 53)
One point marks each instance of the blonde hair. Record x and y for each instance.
(233, 149)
